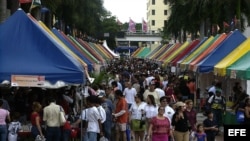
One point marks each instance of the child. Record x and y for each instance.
(210, 126)
(200, 135)
(14, 127)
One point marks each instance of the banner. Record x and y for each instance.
(131, 26)
(27, 80)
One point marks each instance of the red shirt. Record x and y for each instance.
(33, 118)
(122, 105)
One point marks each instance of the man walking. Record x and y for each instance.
(51, 116)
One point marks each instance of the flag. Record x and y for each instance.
(25, 1)
(218, 27)
(225, 24)
(232, 24)
(131, 26)
(118, 22)
(144, 26)
(35, 3)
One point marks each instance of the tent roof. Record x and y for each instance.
(70, 45)
(229, 44)
(143, 53)
(242, 49)
(106, 46)
(184, 52)
(176, 52)
(169, 51)
(179, 61)
(194, 54)
(154, 50)
(161, 51)
(192, 65)
(240, 68)
(85, 49)
(25, 49)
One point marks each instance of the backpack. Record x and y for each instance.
(222, 102)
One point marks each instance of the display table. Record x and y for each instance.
(24, 135)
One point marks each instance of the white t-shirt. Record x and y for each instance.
(154, 93)
(13, 128)
(149, 79)
(136, 111)
(160, 92)
(102, 113)
(212, 89)
(164, 84)
(169, 112)
(130, 95)
(151, 111)
(92, 116)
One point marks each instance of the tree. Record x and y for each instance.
(206, 13)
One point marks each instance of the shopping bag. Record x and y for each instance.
(240, 116)
(40, 138)
(103, 139)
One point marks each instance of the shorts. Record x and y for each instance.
(120, 126)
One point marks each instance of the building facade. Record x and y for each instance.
(157, 15)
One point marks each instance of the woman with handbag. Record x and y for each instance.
(36, 120)
(180, 123)
(137, 118)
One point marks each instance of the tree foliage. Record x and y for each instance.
(188, 15)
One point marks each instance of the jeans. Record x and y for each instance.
(90, 136)
(66, 135)
(107, 126)
(34, 132)
(53, 133)
(3, 132)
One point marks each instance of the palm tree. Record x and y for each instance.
(206, 13)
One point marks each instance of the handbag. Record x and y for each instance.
(138, 125)
(62, 119)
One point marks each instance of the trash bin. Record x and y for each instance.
(229, 118)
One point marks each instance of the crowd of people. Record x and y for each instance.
(140, 102)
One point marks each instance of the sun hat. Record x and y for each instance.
(179, 104)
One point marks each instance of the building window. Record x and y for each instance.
(165, 2)
(153, 22)
(153, 12)
(165, 23)
(153, 2)
(165, 12)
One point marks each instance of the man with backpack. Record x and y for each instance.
(218, 105)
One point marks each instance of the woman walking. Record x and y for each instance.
(4, 114)
(137, 118)
(159, 127)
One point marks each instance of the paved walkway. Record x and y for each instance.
(201, 118)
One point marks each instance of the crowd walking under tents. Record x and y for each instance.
(151, 95)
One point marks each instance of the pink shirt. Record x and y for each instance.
(3, 114)
(160, 126)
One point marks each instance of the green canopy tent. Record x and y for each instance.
(240, 68)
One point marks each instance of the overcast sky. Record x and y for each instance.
(125, 9)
